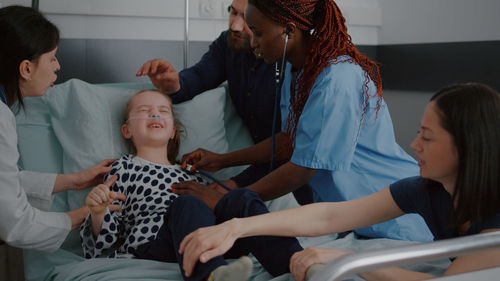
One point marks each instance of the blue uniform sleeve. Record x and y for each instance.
(407, 193)
(328, 128)
(207, 74)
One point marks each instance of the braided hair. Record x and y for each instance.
(325, 23)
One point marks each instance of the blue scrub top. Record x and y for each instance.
(354, 154)
(3, 95)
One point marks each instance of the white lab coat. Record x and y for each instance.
(21, 224)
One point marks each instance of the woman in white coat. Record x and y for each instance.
(27, 69)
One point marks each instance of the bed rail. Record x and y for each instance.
(362, 262)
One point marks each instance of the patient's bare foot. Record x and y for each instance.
(241, 269)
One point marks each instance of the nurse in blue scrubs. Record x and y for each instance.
(27, 69)
(336, 129)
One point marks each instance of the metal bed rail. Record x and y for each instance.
(372, 260)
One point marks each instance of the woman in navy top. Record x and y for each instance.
(457, 192)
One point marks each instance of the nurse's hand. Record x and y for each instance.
(83, 179)
(202, 159)
(206, 243)
(301, 261)
(162, 74)
(210, 194)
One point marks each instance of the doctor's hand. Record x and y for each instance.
(162, 74)
(206, 243)
(202, 159)
(210, 194)
(301, 261)
(83, 179)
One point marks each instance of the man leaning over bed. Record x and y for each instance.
(250, 80)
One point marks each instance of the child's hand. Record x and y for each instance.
(101, 197)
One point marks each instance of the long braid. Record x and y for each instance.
(329, 40)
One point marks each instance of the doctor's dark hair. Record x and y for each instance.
(323, 23)
(26, 35)
(173, 145)
(470, 113)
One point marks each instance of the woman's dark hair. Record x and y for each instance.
(470, 113)
(173, 145)
(26, 34)
(324, 23)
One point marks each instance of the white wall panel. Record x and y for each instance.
(436, 21)
(163, 19)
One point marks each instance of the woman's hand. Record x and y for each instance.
(207, 243)
(162, 74)
(202, 159)
(301, 261)
(83, 179)
(77, 216)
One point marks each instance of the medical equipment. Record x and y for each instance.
(191, 168)
(279, 82)
(152, 118)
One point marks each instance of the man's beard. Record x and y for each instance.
(237, 46)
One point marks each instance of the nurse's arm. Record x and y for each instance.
(322, 218)
(286, 178)
(257, 154)
(309, 220)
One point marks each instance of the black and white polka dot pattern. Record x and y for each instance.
(147, 187)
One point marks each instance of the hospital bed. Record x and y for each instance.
(75, 125)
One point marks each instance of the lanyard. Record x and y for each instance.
(3, 96)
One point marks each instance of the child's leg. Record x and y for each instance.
(272, 252)
(186, 214)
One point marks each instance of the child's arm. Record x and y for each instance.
(98, 200)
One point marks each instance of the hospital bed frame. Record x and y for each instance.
(367, 261)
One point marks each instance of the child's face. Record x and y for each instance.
(436, 151)
(145, 131)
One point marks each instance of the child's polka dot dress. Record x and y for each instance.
(147, 187)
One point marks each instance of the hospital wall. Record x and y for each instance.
(421, 45)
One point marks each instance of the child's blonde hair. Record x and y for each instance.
(173, 144)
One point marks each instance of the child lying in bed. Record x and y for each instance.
(154, 220)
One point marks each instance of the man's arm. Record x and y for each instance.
(205, 75)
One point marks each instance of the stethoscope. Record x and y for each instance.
(189, 168)
(279, 82)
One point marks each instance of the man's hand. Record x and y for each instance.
(162, 74)
(209, 195)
